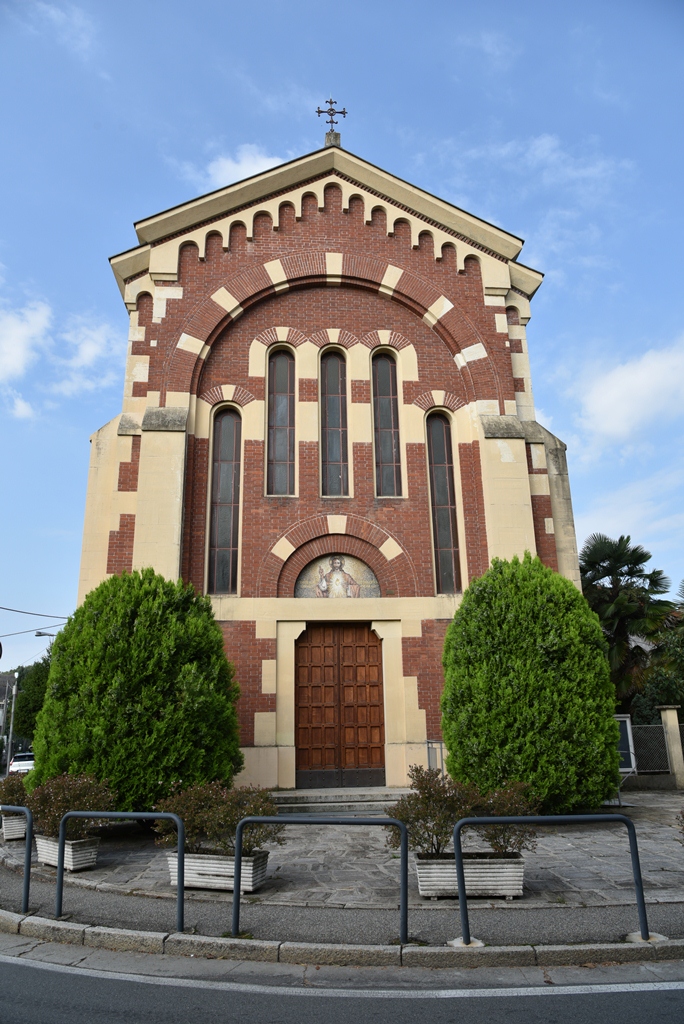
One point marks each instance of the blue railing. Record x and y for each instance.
(126, 816)
(27, 854)
(323, 819)
(549, 819)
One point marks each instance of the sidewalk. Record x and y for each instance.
(331, 883)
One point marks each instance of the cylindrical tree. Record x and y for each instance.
(527, 693)
(140, 693)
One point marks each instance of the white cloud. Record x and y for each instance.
(497, 47)
(224, 170)
(619, 403)
(92, 357)
(71, 26)
(23, 334)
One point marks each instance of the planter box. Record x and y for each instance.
(79, 854)
(13, 826)
(210, 871)
(486, 874)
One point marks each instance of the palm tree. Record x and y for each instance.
(626, 599)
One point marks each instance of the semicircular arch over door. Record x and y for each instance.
(339, 707)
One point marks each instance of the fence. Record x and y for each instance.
(322, 819)
(125, 816)
(650, 749)
(550, 819)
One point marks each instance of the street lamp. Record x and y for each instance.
(9, 744)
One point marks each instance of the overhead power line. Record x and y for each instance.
(20, 631)
(39, 615)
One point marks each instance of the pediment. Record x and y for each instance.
(162, 234)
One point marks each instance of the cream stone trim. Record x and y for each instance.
(106, 450)
(506, 490)
(178, 399)
(390, 549)
(470, 354)
(538, 453)
(390, 280)
(159, 517)
(520, 364)
(486, 406)
(261, 767)
(187, 343)
(333, 267)
(501, 323)
(437, 310)
(282, 333)
(228, 302)
(283, 549)
(274, 269)
(359, 426)
(539, 483)
(268, 675)
(510, 407)
(337, 524)
(287, 633)
(549, 526)
(160, 298)
(228, 390)
(307, 421)
(405, 722)
(333, 335)
(264, 728)
(268, 611)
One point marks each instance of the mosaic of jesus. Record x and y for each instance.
(337, 576)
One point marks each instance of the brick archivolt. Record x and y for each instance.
(163, 257)
(208, 320)
(344, 534)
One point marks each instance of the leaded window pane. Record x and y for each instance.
(225, 504)
(281, 440)
(386, 417)
(334, 464)
(443, 504)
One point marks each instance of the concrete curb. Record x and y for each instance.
(341, 955)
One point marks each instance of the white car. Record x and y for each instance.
(22, 762)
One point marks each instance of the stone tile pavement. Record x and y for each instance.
(339, 866)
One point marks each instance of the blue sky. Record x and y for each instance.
(560, 122)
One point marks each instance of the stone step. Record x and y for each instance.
(371, 801)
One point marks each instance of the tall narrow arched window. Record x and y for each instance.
(442, 493)
(386, 420)
(281, 421)
(225, 504)
(334, 464)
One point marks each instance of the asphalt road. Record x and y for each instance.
(49, 994)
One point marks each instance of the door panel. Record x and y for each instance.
(339, 707)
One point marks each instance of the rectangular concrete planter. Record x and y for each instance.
(211, 871)
(486, 874)
(79, 854)
(13, 826)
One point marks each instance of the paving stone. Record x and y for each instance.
(339, 954)
(594, 953)
(125, 939)
(180, 944)
(10, 922)
(465, 956)
(52, 931)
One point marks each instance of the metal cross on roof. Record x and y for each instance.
(331, 113)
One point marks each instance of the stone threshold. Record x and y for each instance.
(339, 954)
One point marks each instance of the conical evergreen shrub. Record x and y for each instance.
(140, 693)
(527, 693)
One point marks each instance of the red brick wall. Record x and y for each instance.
(247, 653)
(423, 658)
(128, 471)
(120, 551)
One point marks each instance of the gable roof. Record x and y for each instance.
(296, 173)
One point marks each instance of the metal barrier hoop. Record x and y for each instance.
(550, 819)
(129, 816)
(27, 854)
(322, 819)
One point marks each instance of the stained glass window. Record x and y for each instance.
(281, 423)
(443, 504)
(386, 417)
(334, 465)
(225, 504)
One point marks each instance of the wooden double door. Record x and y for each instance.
(339, 711)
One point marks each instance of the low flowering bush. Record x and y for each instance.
(50, 802)
(12, 791)
(437, 802)
(211, 813)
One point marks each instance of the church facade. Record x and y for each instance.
(327, 426)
